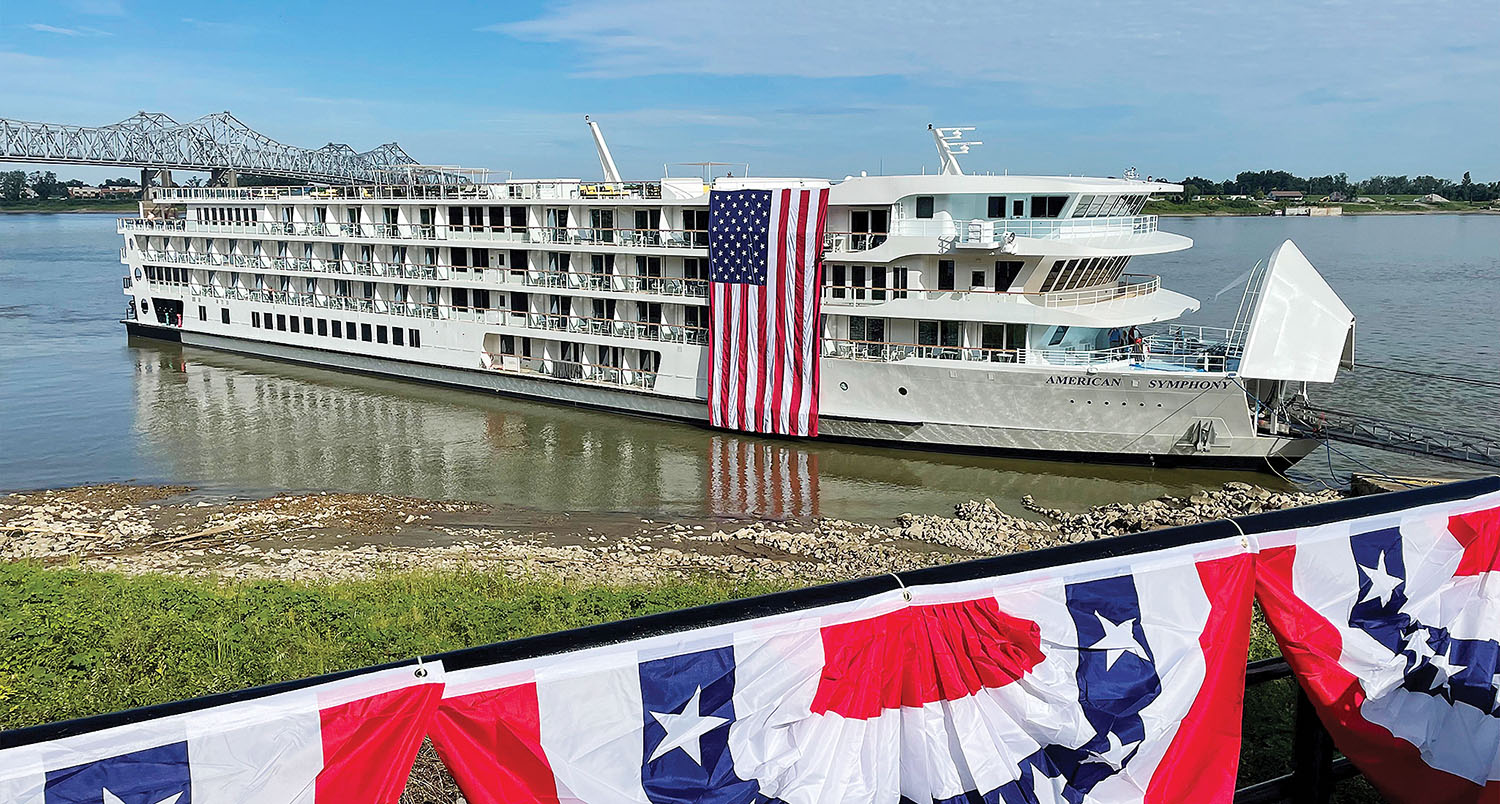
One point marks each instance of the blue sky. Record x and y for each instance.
(793, 87)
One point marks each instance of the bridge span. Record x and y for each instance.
(217, 143)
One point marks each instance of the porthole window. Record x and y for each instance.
(843, 386)
(901, 390)
(144, 308)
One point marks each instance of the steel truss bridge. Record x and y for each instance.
(217, 143)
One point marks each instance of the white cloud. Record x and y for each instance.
(79, 31)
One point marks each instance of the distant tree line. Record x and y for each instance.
(1260, 182)
(15, 183)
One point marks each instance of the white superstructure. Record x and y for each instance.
(969, 312)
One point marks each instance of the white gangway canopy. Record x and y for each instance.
(1300, 329)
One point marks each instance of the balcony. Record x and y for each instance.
(1129, 286)
(570, 370)
(1157, 357)
(989, 234)
(622, 283)
(615, 328)
(506, 191)
(579, 236)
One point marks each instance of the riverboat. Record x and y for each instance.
(994, 314)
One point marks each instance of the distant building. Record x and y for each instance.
(1237, 197)
(1433, 198)
(1364, 199)
(1286, 195)
(126, 191)
(1336, 197)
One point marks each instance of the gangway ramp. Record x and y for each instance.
(1410, 439)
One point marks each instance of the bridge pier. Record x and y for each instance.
(162, 177)
(224, 177)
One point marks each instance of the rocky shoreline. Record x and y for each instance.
(163, 529)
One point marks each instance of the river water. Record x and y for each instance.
(81, 403)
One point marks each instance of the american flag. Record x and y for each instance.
(763, 252)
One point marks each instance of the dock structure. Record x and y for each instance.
(1402, 437)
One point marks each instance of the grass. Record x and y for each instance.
(75, 643)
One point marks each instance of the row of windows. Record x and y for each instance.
(948, 334)
(1084, 273)
(1042, 206)
(168, 274)
(378, 333)
(850, 281)
(1105, 206)
(229, 215)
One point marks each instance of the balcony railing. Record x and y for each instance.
(583, 236)
(988, 233)
(1129, 286)
(343, 267)
(625, 283)
(505, 191)
(615, 328)
(1123, 357)
(571, 370)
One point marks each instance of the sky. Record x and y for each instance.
(794, 87)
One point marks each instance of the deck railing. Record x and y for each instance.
(988, 232)
(577, 371)
(1122, 357)
(581, 236)
(505, 191)
(1129, 286)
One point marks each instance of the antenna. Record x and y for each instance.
(607, 162)
(950, 144)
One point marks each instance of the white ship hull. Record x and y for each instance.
(1016, 413)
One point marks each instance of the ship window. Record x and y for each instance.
(924, 206)
(945, 274)
(349, 330)
(202, 313)
(857, 279)
(976, 280)
(455, 219)
(281, 322)
(254, 319)
(460, 257)
(296, 325)
(482, 299)
(839, 280)
(1051, 280)
(1083, 206)
(518, 261)
(1006, 272)
(416, 337)
(364, 332)
(481, 258)
(497, 218)
(517, 221)
(692, 268)
(338, 328)
(397, 336)
(518, 302)
(877, 281)
(1057, 336)
(323, 327)
(307, 324)
(380, 334)
(1018, 208)
(476, 217)
(460, 299)
(1047, 206)
(898, 282)
(997, 206)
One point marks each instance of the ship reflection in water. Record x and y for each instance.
(237, 424)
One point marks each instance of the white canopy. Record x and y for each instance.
(1299, 327)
